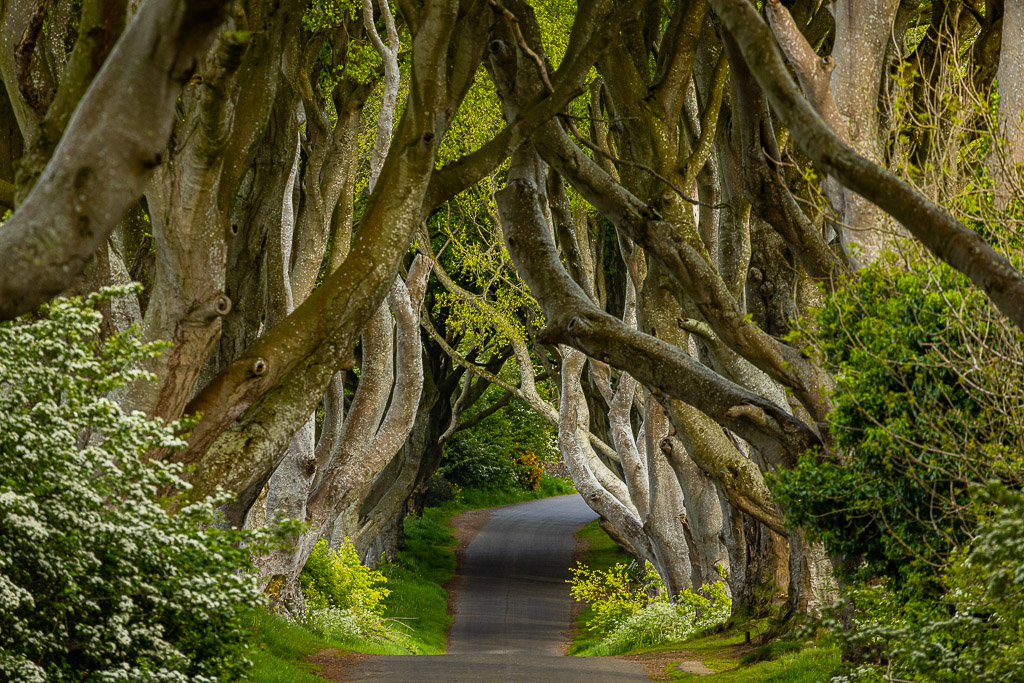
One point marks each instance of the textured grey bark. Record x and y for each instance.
(389, 100)
(574, 422)
(276, 384)
(843, 88)
(371, 436)
(940, 232)
(666, 509)
(190, 198)
(1007, 162)
(115, 139)
(703, 512)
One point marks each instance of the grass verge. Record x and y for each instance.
(601, 553)
(810, 665)
(726, 653)
(417, 605)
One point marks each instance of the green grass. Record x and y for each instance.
(278, 648)
(475, 499)
(810, 665)
(417, 606)
(604, 554)
(717, 651)
(772, 650)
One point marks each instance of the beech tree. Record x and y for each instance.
(632, 202)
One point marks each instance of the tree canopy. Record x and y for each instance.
(751, 268)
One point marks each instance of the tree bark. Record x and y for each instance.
(114, 140)
(940, 232)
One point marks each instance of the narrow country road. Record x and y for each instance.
(512, 607)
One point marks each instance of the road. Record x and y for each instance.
(512, 607)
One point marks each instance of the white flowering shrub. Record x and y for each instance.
(664, 622)
(630, 612)
(107, 571)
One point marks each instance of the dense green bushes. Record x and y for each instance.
(916, 420)
(631, 611)
(344, 599)
(505, 450)
(105, 573)
(923, 502)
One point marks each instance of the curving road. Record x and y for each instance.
(512, 607)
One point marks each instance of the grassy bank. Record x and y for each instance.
(737, 662)
(602, 553)
(726, 653)
(417, 607)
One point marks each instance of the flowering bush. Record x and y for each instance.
(343, 598)
(664, 622)
(529, 471)
(631, 614)
(610, 594)
(99, 578)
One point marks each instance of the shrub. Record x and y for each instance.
(632, 613)
(439, 491)
(529, 471)
(99, 578)
(506, 450)
(472, 459)
(976, 632)
(610, 592)
(343, 598)
(927, 402)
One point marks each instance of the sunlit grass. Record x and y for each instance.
(810, 665)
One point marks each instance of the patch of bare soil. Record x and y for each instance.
(465, 527)
(686, 661)
(655, 663)
(335, 666)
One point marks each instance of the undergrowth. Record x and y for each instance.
(414, 612)
(628, 607)
(722, 649)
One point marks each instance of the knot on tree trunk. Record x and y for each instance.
(215, 307)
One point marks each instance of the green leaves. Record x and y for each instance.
(631, 611)
(340, 592)
(921, 367)
(100, 578)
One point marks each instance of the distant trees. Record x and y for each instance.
(635, 201)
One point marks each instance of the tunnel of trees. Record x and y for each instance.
(756, 265)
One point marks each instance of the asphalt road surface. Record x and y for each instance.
(512, 607)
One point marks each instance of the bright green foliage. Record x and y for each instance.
(611, 594)
(341, 594)
(920, 411)
(976, 632)
(325, 14)
(362, 63)
(488, 454)
(631, 613)
(101, 579)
